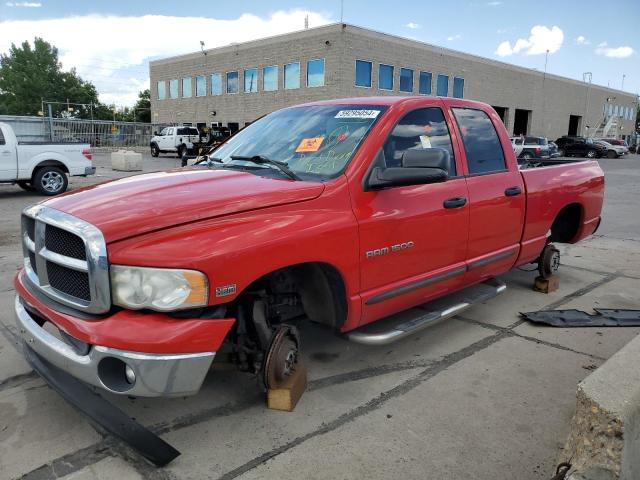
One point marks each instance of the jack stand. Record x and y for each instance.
(546, 285)
(286, 395)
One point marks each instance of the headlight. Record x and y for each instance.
(161, 289)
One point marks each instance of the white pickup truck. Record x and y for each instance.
(177, 140)
(41, 166)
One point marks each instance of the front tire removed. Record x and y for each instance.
(50, 181)
(549, 261)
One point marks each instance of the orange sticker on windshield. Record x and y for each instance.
(309, 144)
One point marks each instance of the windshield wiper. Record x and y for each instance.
(260, 160)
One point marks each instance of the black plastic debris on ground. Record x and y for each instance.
(604, 317)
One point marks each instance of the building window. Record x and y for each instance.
(424, 86)
(216, 84)
(162, 90)
(406, 80)
(363, 73)
(458, 87)
(173, 88)
(270, 78)
(201, 86)
(291, 76)
(385, 77)
(442, 89)
(250, 80)
(315, 73)
(232, 82)
(186, 87)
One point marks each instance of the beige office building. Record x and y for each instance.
(233, 85)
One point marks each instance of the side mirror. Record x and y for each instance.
(404, 176)
(155, 132)
(419, 167)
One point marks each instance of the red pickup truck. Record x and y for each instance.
(341, 212)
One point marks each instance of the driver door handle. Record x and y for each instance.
(513, 191)
(456, 202)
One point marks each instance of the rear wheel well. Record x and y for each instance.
(567, 223)
(50, 163)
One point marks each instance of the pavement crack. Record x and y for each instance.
(510, 332)
(570, 296)
(373, 404)
(17, 380)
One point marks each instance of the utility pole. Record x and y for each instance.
(341, 10)
(623, 76)
(586, 75)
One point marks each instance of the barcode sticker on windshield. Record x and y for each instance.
(357, 114)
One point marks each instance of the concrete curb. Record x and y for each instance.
(604, 441)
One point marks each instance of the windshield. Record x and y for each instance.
(316, 142)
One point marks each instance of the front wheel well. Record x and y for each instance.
(318, 285)
(566, 225)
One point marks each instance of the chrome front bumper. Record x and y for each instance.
(155, 374)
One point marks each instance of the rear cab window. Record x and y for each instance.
(481, 142)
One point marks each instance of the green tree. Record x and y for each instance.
(29, 74)
(142, 108)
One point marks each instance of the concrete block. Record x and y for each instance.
(126, 160)
(605, 430)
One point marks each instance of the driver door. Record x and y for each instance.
(413, 239)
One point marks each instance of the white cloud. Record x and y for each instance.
(24, 4)
(614, 52)
(582, 40)
(113, 52)
(413, 26)
(454, 37)
(493, 4)
(542, 38)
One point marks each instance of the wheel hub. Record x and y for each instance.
(282, 356)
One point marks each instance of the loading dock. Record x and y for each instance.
(521, 122)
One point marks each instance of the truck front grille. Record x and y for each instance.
(68, 281)
(65, 243)
(66, 258)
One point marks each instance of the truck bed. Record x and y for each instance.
(556, 185)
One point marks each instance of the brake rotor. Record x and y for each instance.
(549, 261)
(282, 357)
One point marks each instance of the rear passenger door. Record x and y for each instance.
(496, 196)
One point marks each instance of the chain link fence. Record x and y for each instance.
(98, 133)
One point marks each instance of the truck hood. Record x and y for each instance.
(144, 203)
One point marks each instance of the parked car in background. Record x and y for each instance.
(580, 147)
(529, 147)
(178, 140)
(553, 150)
(613, 151)
(42, 166)
(614, 141)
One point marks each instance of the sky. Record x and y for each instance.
(110, 42)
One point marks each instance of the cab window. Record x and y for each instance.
(2, 142)
(481, 142)
(419, 129)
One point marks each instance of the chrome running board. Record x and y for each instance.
(403, 324)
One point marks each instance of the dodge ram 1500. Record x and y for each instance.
(341, 212)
